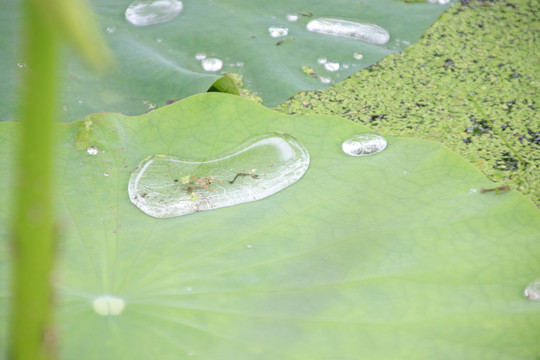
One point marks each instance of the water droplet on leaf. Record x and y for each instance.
(325, 80)
(532, 291)
(277, 31)
(212, 64)
(292, 17)
(92, 150)
(358, 56)
(164, 186)
(200, 56)
(364, 145)
(331, 66)
(108, 305)
(149, 12)
(111, 29)
(370, 33)
(322, 60)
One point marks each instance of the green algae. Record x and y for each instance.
(478, 51)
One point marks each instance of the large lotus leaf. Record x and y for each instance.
(397, 255)
(157, 63)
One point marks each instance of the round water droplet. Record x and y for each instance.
(159, 40)
(358, 56)
(21, 65)
(249, 246)
(107, 305)
(532, 291)
(364, 145)
(189, 289)
(92, 150)
(322, 60)
(370, 33)
(111, 29)
(80, 101)
(164, 186)
(200, 56)
(106, 174)
(277, 31)
(292, 17)
(212, 64)
(331, 66)
(325, 80)
(149, 12)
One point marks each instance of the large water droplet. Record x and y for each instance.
(149, 12)
(370, 33)
(277, 31)
(212, 64)
(532, 291)
(163, 186)
(364, 144)
(108, 305)
(331, 66)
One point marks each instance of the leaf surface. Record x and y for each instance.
(388, 256)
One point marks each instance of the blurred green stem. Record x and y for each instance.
(31, 335)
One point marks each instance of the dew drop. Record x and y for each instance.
(107, 305)
(532, 291)
(149, 12)
(370, 33)
(277, 31)
(358, 56)
(200, 56)
(364, 144)
(92, 150)
(322, 60)
(212, 64)
(325, 80)
(164, 186)
(292, 17)
(111, 29)
(249, 246)
(331, 66)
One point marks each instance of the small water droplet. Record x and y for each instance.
(108, 305)
(532, 291)
(191, 353)
(325, 80)
(111, 29)
(331, 66)
(92, 150)
(189, 289)
(441, 2)
(292, 17)
(163, 186)
(212, 64)
(159, 40)
(106, 174)
(149, 104)
(472, 191)
(239, 63)
(21, 65)
(200, 56)
(249, 246)
(149, 12)
(277, 31)
(358, 56)
(370, 33)
(80, 101)
(65, 108)
(364, 144)
(322, 60)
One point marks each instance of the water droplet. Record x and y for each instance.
(292, 17)
(65, 108)
(200, 56)
(92, 150)
(21, 65)
(191, 353)
(325, 80)
(532, 291)
(239, 63)
(111, 29)
(106, 174)
(108, 305)
(370, 33)
(149, 12)
(331, 66)
(189, 289)
(212, 64)
(159, 40)
(322, 60)
(80, 101)
(358, 56)
(442, 2)
(277, 31)
(163, 186)
(364, 144)
(249, 246)
(149, 104)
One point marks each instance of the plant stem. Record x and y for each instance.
(31, 335)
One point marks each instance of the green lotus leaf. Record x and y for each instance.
(397, 255)
(157, 64)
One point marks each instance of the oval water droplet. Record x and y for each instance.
(212, 64)
(107, 305)
(532, 291)
(370, 33)
(292, 17)
(200, 56)
(358, 56)
(322, 60)
(277, 31)
(21, 65)
(331, 66)
(111, 29)
(149, 12)
(92, 150)
(163, 186)
(325, 80)
(364, 145)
